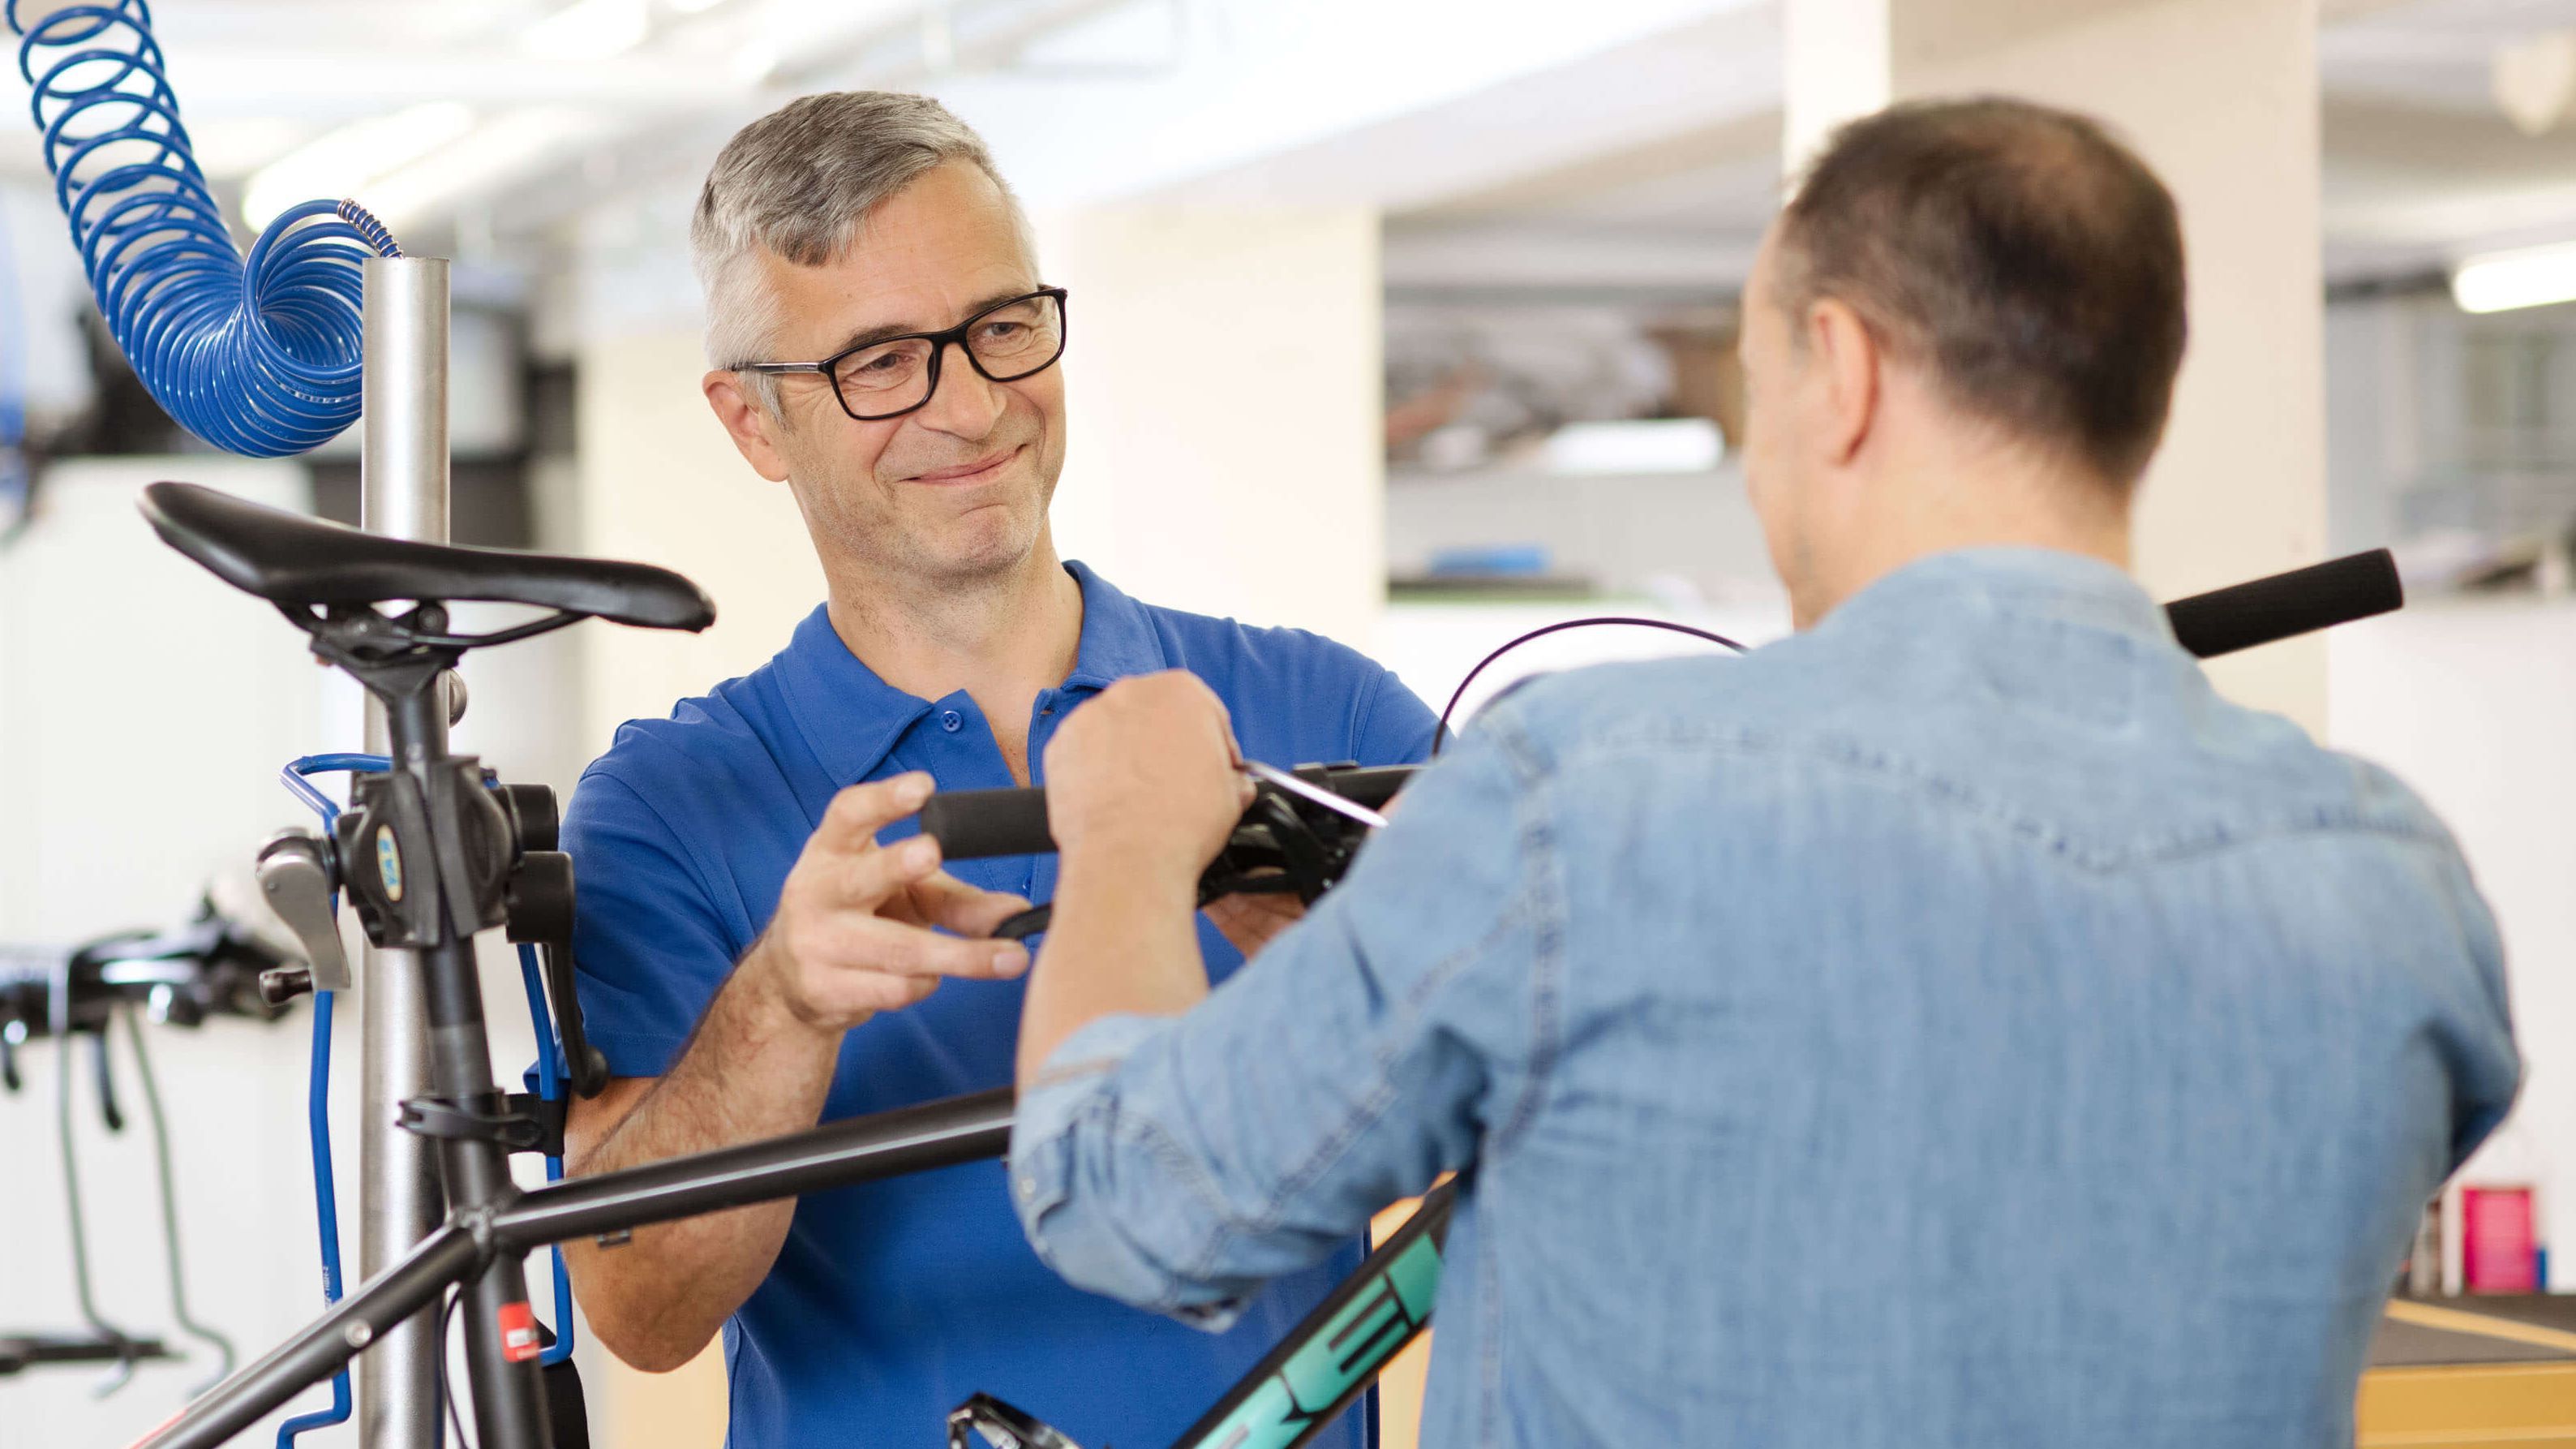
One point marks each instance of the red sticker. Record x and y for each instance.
(519, 1342)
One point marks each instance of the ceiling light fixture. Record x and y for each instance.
(591, 30)
(2527, 277)
(341, 162)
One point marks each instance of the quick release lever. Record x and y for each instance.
(295, 875)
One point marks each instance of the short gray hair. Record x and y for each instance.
(799, 182)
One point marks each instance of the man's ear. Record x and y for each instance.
(749, 424)
(1840, 345)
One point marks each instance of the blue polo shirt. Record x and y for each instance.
(891, 1302)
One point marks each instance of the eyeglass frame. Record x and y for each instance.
(939, 343)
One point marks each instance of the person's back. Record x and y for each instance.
(1954, 1025)
(1904, 965)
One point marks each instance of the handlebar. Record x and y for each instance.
(969, 824)
(974, 823)
(2279, 606)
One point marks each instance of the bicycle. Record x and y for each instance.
(434, 849)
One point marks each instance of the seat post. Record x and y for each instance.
(403, 491)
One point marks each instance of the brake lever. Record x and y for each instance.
(1270, 836)
(1313, 794)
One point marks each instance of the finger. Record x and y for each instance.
(897, 949)
(876, 876)
(857, 994)
(852, 820)
(941, 899)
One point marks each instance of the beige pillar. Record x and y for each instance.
(659, 480)
(2220, 97)
(1225, 451)
(656, 479)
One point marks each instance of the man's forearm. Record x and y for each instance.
(751, 1071)
(1124, 940)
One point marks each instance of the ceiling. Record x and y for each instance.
(2420, 167)
(1513, 143)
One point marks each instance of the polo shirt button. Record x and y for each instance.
(951, 721)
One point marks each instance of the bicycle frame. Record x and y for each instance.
(1301, 1386)
(492, 1224)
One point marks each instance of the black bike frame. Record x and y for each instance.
(492, 1224)
(484, 1241)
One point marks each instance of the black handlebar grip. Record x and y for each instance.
(973, 823)
(2320, 596)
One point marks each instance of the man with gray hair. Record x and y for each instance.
(762, 929)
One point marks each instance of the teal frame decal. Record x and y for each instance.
(1341, 1347)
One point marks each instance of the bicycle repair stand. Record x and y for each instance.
(425, 1064)
(432, 851)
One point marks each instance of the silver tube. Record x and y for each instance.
(402, 492)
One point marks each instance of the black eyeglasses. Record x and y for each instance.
(896, 375)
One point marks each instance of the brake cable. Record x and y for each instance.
(1441, 736)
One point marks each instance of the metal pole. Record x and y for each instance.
(403, 493)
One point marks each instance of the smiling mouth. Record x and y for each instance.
(979, 471)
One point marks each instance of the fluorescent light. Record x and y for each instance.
(591, 30)
(753, 61)
(2529, 277)
(1640, 445)
(693, 7)
(340, 163)
(505, 149)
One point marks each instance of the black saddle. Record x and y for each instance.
(303, 562)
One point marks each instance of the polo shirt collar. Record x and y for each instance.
(1118, 634)
(852, 720)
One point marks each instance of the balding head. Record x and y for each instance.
(2022, 258)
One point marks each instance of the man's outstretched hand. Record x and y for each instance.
(853, 935)
(1145, 776)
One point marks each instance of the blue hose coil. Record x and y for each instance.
(257, 355)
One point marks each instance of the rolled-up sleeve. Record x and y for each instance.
(1178, 1163)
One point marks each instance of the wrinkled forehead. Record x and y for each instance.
(955, 207)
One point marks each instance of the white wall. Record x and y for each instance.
(2473, 702)
(145, 709)
(659, 481)
(1225, 448)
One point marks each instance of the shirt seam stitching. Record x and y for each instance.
(688, 855)
(1363, 712)
(1857, 758)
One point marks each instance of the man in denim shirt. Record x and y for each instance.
(1953, 1025)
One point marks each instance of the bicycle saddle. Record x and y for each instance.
(288, 558)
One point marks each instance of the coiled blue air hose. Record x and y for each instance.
(255, 355)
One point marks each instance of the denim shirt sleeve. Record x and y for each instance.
(1178, 1163)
